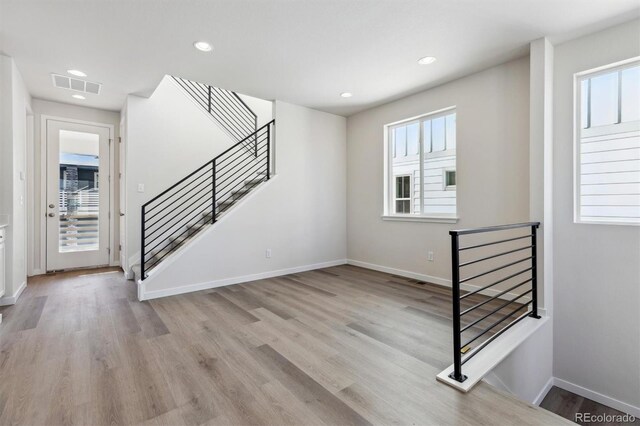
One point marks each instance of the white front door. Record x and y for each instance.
(77, 207)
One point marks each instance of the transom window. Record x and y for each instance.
(607, 150)
(422, 165)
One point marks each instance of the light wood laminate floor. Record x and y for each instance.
(341, 346)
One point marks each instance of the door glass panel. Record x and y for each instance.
(79, 202)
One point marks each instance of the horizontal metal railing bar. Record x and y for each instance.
(201, 95)
(493, 228)
(197, 94)
(250, 139)
(495, 269)
(250, 188)
(171, 222)
(235, 155)
(262, 150)
(233, 176)
(246, 110)
(239, 107)
(175, 237)
(207, 182)
(240, 142)
(191, 216)
(495, 242)
(486, 330)
(231, 103)
(478, 290)
(149, 226)
(179, 239)
(507, 303)
(178, 223)
(176, 184)
(234, 124)
(493, 256)
(245, 175)
(222, 177)
(495, 336)
(474, 307)
(248, 144)
(225, 103)
(245, 105)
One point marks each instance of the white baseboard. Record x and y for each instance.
(597, 397)
(543, 392)
(431, 279)
(154, 294)
(11, 300)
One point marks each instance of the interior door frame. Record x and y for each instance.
(43, 185)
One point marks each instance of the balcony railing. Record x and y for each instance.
(513, 269)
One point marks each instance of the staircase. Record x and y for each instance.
(178, 214)
(171, 219)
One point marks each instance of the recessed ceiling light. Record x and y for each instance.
(78, 96)
(77, 73)
(426, 60)
(346, 94)
(202, 46)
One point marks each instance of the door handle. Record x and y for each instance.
(121, 214)
(52, 214)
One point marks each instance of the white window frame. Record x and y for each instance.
(593, 131)
(389, 190)
(411, 191)
(446, 187)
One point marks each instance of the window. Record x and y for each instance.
(403, 194)
(607, 150)
(449, 180)
(422, 166)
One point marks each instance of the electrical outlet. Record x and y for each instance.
(430, 256)
(267, 253)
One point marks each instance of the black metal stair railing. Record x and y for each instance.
(225, 106)
(178, 213)
(525, 276)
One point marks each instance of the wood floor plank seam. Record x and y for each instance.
(334, 346)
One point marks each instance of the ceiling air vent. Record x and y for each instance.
(64, 82)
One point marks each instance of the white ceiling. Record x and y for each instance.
(301, 51)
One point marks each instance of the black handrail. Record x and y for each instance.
(225, 106)
(456, 265)
(245, 172)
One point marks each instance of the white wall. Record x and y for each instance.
(298, 214)
(37, 242)
(16, 105)
(528, 371)
(263, 109)
(168, 136)
(492, 171)
(597, 267)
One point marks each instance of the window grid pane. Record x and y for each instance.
(413, 139)
(438, 134)
(451, 131)
(630, 90)
(604, 99)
